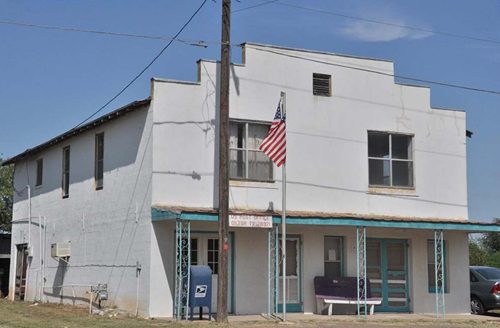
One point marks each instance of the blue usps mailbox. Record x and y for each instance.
(200, 289)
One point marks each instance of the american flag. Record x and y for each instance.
(274, 145)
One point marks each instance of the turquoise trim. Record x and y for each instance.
(160, 215)
(291, 307)
(385, 290)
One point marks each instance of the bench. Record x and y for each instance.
(341, 291)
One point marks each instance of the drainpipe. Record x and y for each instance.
(29, 243)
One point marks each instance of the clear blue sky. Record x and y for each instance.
(51, 80)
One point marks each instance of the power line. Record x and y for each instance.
(147, 66)
(109, 33)
(409, 27)
(254, 6)
(445, 84)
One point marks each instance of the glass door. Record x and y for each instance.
(293, 274)
(387, 269)
(205, 251)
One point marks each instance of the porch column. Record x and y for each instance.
(182, 268)
(361, 268)
(439, 273)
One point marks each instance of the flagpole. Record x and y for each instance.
(283, 217)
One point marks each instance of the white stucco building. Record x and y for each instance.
(364, 154)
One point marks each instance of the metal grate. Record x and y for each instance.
(322, 85)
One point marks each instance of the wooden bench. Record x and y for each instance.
(341, 291)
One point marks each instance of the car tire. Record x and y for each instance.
(476, 306)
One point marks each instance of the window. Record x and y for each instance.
(213, 255)
(333, 257)
(246, 161)
(39, 172)
(65, 172)
(322, 85)
(473, 278)
(390, 159)
(431, 276)
(99, 161)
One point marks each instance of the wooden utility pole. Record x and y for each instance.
(222, 282)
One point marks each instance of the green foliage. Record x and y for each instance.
(6, 196)
(491, 240)
(477, 254)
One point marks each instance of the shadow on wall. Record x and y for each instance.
(57, 289)
(122, 138)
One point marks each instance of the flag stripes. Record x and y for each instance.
(274, 144)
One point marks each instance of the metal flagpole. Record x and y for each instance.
(283, 214)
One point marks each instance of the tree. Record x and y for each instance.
(491, 240)
(477, 254)
(6, 195)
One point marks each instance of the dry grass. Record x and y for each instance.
(64, 316)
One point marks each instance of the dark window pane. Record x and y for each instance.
(378, 145)
(401, 146)
(260, 167)
(237, 164)
(402, 174)
(379, 172)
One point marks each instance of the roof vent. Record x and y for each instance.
(322, 85)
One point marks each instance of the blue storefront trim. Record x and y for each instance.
(158, 214)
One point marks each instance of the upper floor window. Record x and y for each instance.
(246, 161)
(99, 161)
(322, 85)
(65, 172)
(39, 172)
(390, 158)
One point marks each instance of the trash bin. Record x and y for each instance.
(200, 289)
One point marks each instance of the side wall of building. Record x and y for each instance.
(109, 229)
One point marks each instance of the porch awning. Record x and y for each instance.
(162, 213)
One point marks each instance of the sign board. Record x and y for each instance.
(250, 221)
(201, 291)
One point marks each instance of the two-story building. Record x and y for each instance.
(376, 185)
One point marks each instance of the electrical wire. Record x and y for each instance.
(146, 67)
(254, 6)
(409, 27)
(198, 43)
(445, 84)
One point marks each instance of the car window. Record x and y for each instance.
(473, 277)
(489, 273)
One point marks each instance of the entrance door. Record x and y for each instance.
(293, 274)
(205, 251)
(21, 269)
(387, 269)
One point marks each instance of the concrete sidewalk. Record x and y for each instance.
(378, 319)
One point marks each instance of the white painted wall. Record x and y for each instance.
(327, 165)
(109, 230)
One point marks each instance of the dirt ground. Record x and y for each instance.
(58, 316)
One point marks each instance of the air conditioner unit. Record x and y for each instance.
(60, 249)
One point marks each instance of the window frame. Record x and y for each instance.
(411, 154)
(322, 76)
(432, 289)
(66, 151)
(98, 183)
(247, 150)
(39, 172)
(341, 254)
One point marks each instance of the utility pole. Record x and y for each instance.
(222, 282)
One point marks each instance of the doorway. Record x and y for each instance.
(205, 251)
(293, 275)
(21, 270)
(387, 269)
